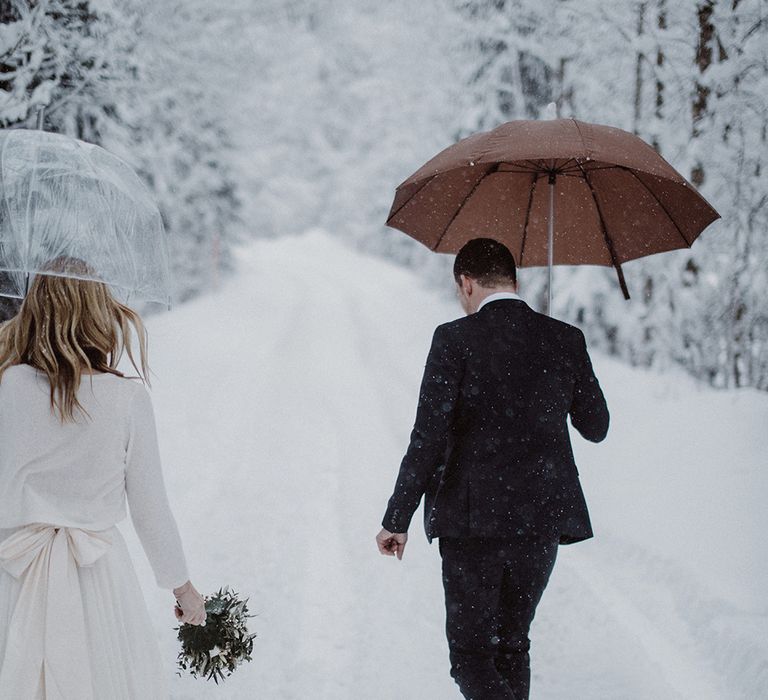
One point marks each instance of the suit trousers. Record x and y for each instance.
(492, 587)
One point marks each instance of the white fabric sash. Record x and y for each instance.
(47, 651)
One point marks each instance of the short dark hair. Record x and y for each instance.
(487, 261)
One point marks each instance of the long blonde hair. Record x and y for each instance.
(66, 326)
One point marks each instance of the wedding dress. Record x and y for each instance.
(73, 621)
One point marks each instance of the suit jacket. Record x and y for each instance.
(490, 448)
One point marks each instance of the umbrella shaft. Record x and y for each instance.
(550, 242)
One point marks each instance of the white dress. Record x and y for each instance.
(73, 621)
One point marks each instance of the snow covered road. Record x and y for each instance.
(284, 402)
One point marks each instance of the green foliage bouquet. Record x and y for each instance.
(216, 649)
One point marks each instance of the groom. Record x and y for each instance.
(490, 451)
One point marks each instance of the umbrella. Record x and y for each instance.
(61, 200)
(615, 198)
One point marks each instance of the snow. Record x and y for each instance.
(284, 402)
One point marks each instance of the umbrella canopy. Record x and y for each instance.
(63, 200)
(558, 191)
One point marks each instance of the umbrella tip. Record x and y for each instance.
(550, 111)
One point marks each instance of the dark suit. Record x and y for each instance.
(491, 453)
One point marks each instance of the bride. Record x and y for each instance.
(77, 439)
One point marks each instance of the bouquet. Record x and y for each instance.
(216, 649)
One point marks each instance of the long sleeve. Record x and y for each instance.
(147, 497)
(434, 416)
(589, 411)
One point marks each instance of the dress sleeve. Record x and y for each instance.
(147, 498)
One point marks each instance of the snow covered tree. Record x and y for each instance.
(127, 75)
(173, 128)
(337, 104)
(66, 62)
(68, 57)
(689, 78)
(702, 307)
(332, 105)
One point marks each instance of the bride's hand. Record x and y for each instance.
(190, 606)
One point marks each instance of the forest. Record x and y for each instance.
(267, 119)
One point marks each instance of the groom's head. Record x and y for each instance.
(483, 266)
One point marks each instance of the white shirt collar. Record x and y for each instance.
(498, 295)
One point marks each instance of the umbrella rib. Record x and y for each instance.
(488, 172)
(3, 200)
(608, 241)
(581, 137)
(578, 172)
(527, 216)
(536, 166)
(395, 213)
(577, 168)
(520, 164)
(563, 167)
(658, 201)
(521, 171)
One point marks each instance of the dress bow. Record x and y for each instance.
(46, 654)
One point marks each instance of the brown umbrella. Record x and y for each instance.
(615, 197)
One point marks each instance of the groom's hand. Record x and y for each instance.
(391, 543)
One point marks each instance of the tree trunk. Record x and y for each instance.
(704, 11)
(661, 23)
(638, 112)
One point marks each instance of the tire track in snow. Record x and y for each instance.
(671, 652)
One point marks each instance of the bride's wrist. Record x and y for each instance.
(181, 590)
